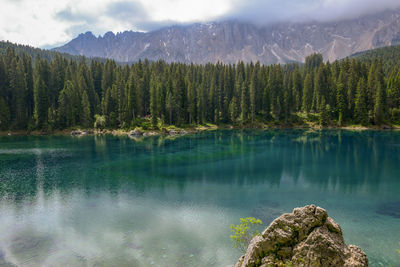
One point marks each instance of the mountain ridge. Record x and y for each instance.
(230, 41)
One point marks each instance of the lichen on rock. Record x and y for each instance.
(305, 237)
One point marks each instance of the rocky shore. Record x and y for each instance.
(175, 131)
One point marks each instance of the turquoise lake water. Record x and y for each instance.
(114, 201)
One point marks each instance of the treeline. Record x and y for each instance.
(390, 55)
(62, 93)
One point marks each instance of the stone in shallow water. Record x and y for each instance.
(391, 209)
(78, 133)
(134, 246)
(135, 132)
(305, 237)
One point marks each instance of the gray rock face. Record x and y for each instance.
(231, 41)
(305, 237)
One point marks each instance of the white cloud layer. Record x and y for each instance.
(266, 11)
(47, 23)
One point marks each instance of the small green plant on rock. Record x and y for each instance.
(244, 232)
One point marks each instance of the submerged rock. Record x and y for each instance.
(391, 209)
(173, 132)
(387, 127)
(150, 134)
(135, 132)
(305, 237)
(78, 133)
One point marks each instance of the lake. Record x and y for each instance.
(114, 201)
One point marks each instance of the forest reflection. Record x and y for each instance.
(346, 161)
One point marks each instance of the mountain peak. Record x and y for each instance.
(231, 41)
(87, 34)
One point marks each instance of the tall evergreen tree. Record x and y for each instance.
(253, 91)
(243, 103)
(361, 109)
(379, 108)
(307, 93)
(41, 103)
(170, 105)
(4, 115)
(341, 103)
(153, 101)
(85, 117)
(21, 109)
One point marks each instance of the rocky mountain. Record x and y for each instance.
(230, 41)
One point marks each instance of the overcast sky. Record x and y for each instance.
(49, 23)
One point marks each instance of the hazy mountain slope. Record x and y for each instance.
(42, 53)
(231, 41)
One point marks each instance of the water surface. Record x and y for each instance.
(113, 201)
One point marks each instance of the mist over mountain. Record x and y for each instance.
(233, 40)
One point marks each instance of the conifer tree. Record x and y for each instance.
(27, 60)
(191, 95)
(297, 89)
(201, 103)
(361, 110)
(380, 95)
(307, 93)
(41, 103)
(131, 100)
(243, 103)
(341, 103)
(86, 120)
(379, 108)
(66, 110)
(233, 110)
(351, 87)
(20, 92)
(170, 105)
(153, 101)
(252, 89)
(4, 115)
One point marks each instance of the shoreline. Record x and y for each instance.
(176, 131)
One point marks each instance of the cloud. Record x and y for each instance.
(47, 23)
(31, 22)
(269, 11)
(68, 15)
(127, 10)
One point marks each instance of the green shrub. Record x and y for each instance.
(244, 232)
(100, 121)
(396, 115)
(312, 117)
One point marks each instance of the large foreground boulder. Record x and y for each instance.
(305, 237)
